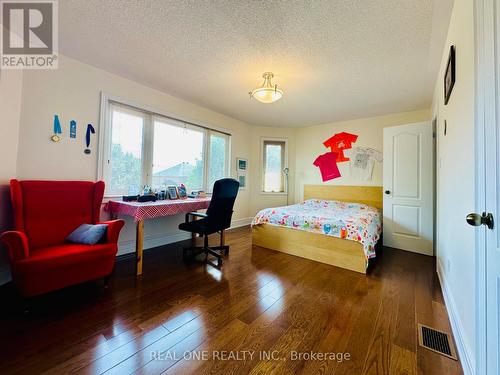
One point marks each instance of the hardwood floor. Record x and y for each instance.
(261, 303)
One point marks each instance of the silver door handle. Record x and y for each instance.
(476, 220)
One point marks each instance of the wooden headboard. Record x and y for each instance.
(370, 195)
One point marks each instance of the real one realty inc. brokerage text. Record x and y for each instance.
(248, 355)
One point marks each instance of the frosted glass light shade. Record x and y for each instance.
(267, 93)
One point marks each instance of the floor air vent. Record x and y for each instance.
(437, 341)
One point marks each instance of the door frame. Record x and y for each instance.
(485, 91)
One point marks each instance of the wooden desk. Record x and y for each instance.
(151, 210)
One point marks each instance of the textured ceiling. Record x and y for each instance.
(335, 60)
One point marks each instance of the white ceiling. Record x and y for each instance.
(335, 60)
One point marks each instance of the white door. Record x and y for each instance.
(487, 158)
(408, 187)
(492, 258)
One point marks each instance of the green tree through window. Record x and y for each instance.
(126, 171)
(217, 159)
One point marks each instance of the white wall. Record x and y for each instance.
(310, 139)
(455, 181)
(73, 92)
(10, 106)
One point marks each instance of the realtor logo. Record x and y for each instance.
(29, 34)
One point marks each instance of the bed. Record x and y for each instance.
(308, 231)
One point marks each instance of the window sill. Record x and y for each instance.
(273, 193)
(107, 198)
(111, 197)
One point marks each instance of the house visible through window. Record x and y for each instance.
(178, 155)
(274, 161)
(142, 148)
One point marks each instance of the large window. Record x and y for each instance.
(144, 148)
(274, 159)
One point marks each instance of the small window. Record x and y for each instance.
(274, 161)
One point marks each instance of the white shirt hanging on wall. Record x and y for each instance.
(361, 161)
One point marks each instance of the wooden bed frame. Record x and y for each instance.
(319, 247)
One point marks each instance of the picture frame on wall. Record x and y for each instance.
(241, 165)
(242, 179)
(449, 75)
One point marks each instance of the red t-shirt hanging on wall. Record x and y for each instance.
(339, 142)
(327, 164)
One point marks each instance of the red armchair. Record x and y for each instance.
(45, 213)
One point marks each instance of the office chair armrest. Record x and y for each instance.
(199, 214)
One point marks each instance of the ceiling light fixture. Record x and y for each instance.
(267, 93)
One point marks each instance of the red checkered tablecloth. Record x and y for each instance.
(150, 210)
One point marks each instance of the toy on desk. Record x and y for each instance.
(197, 194)
(181, 191)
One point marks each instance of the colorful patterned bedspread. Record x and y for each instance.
(352, 221)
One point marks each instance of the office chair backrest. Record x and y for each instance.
(220, 210)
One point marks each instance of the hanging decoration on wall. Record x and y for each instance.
(340, 142)
(72, 129)
(449, 75)
(90, 130)
(362, 162)
(57, 129)
(327, 164)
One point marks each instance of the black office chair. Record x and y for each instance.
(217, 219)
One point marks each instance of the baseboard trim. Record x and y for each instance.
(126, 247)
(464, 352)
(122, 257)
(153, 241)
(241, 222)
